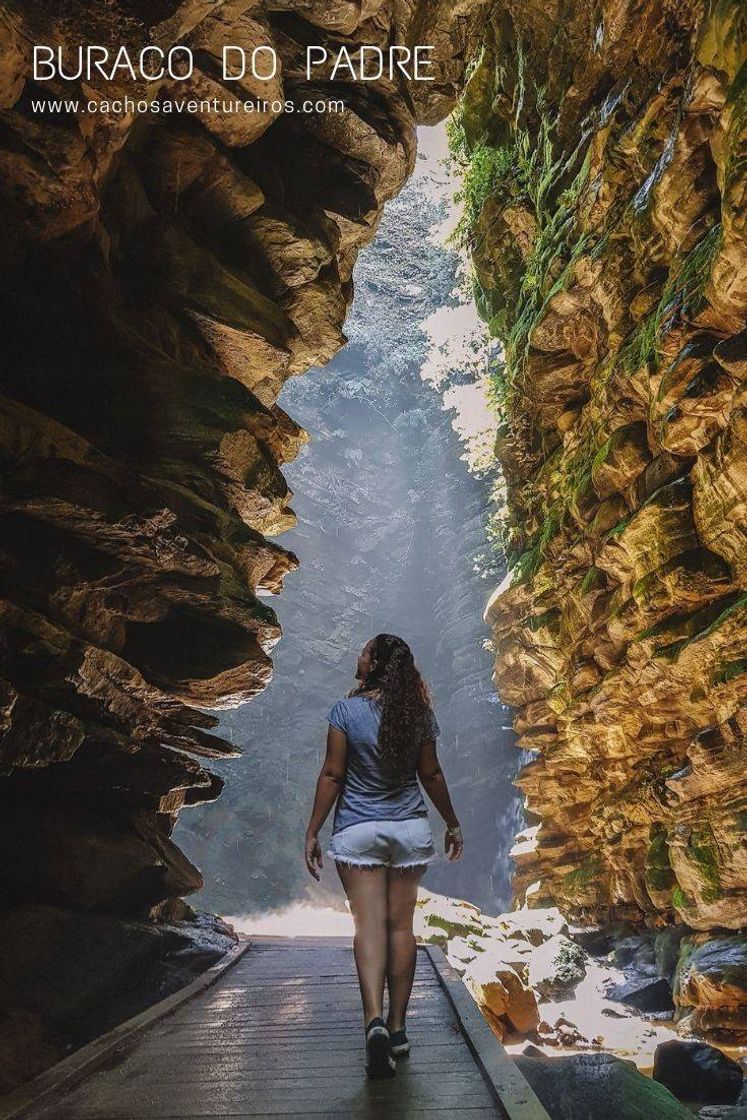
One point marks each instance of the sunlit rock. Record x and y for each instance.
(505, 1000)
(438, 918)
(605, 213)
(556, 966)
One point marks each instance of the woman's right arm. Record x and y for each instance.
(434, 783)
(328, 785)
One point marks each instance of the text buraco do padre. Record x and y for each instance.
(153, 64)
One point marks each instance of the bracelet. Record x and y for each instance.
(455, 831)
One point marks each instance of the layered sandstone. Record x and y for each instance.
(162, 275)
(606, 185)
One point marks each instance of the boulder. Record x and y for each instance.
(594, 1086)
(503, 997)
(438, 918)
(556, 966)
(635, 953)
(711, 983)
(643, 994)
(696, 1072)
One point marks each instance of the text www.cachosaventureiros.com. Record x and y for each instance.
(125, 105)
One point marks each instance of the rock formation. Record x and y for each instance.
(162, 275)
(606, 179)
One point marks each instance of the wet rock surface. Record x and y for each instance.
(587, 1084)
(694, 1071)
(710, 984)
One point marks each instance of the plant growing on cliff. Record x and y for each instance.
(582, 879)
(528, 564)
(681, 900)
(682, 297)
(485, 169)
(659, 874)
(702, 850)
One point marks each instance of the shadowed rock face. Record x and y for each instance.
(162, 276)
(611, 254)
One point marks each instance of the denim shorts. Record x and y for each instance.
(406, 843)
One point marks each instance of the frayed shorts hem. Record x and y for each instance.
(346, 861)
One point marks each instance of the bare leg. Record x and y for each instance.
(366, 889)
(402, 893)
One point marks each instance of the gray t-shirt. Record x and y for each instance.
(368, 793)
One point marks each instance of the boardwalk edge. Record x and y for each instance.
(89, 1057)
(510, 1088)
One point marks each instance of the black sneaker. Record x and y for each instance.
(400, 1044)
(379, 1060)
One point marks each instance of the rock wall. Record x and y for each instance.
(161, 276)
(606, 176)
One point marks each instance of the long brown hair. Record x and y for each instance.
(405, 703)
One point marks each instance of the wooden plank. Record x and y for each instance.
(434, 1073)
(294, 1054)
(368, 1111)
(258, 1100)
(272, 1042)
(512, 1091)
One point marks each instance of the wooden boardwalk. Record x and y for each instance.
(280, 1034)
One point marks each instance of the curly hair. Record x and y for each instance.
(405, 704)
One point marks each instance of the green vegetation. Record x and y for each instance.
(530, 561)
(703, 851)
(579, 881)
(523, 170)
(658, 872)
(497, 389)
(682, 296)
(486, 172)
(730, 670)
(557, 247)
(738, 602)
(616, 530)
(593, 580)
(514, 158)
(681, 900)
(547, 620)
(574, 481)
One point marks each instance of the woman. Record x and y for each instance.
(381, 739)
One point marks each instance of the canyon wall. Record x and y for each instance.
(605, 151)
(162, 275)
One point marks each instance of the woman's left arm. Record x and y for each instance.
(328, 785)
